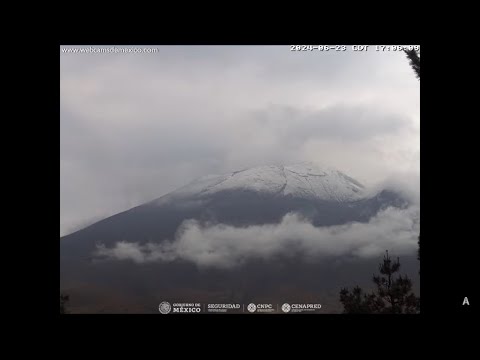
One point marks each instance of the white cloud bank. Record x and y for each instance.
(225, 246)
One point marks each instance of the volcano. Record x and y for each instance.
(256, 196)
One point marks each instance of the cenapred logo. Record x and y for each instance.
(286, 308)
(251, 307)
(164, 307)
(300, 308)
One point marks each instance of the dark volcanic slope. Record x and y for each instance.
(157, 222)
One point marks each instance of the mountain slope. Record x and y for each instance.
(256, 196)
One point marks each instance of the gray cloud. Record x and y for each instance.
(137, 126)
(224, 246)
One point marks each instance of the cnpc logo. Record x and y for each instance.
(259, 307)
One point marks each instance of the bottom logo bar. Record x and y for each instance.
(166, 307)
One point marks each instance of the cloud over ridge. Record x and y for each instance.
(226, 246)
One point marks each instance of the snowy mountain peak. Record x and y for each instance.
(304, 180)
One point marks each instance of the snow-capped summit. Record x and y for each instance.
(303, 180)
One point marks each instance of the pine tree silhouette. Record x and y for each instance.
(393, 294)
(414, 58)
(356, 302)
(63, 300)
(418, 253)
(418, 257)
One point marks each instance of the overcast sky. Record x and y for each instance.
(136, 126)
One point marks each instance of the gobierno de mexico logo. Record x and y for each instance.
(164, 307)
